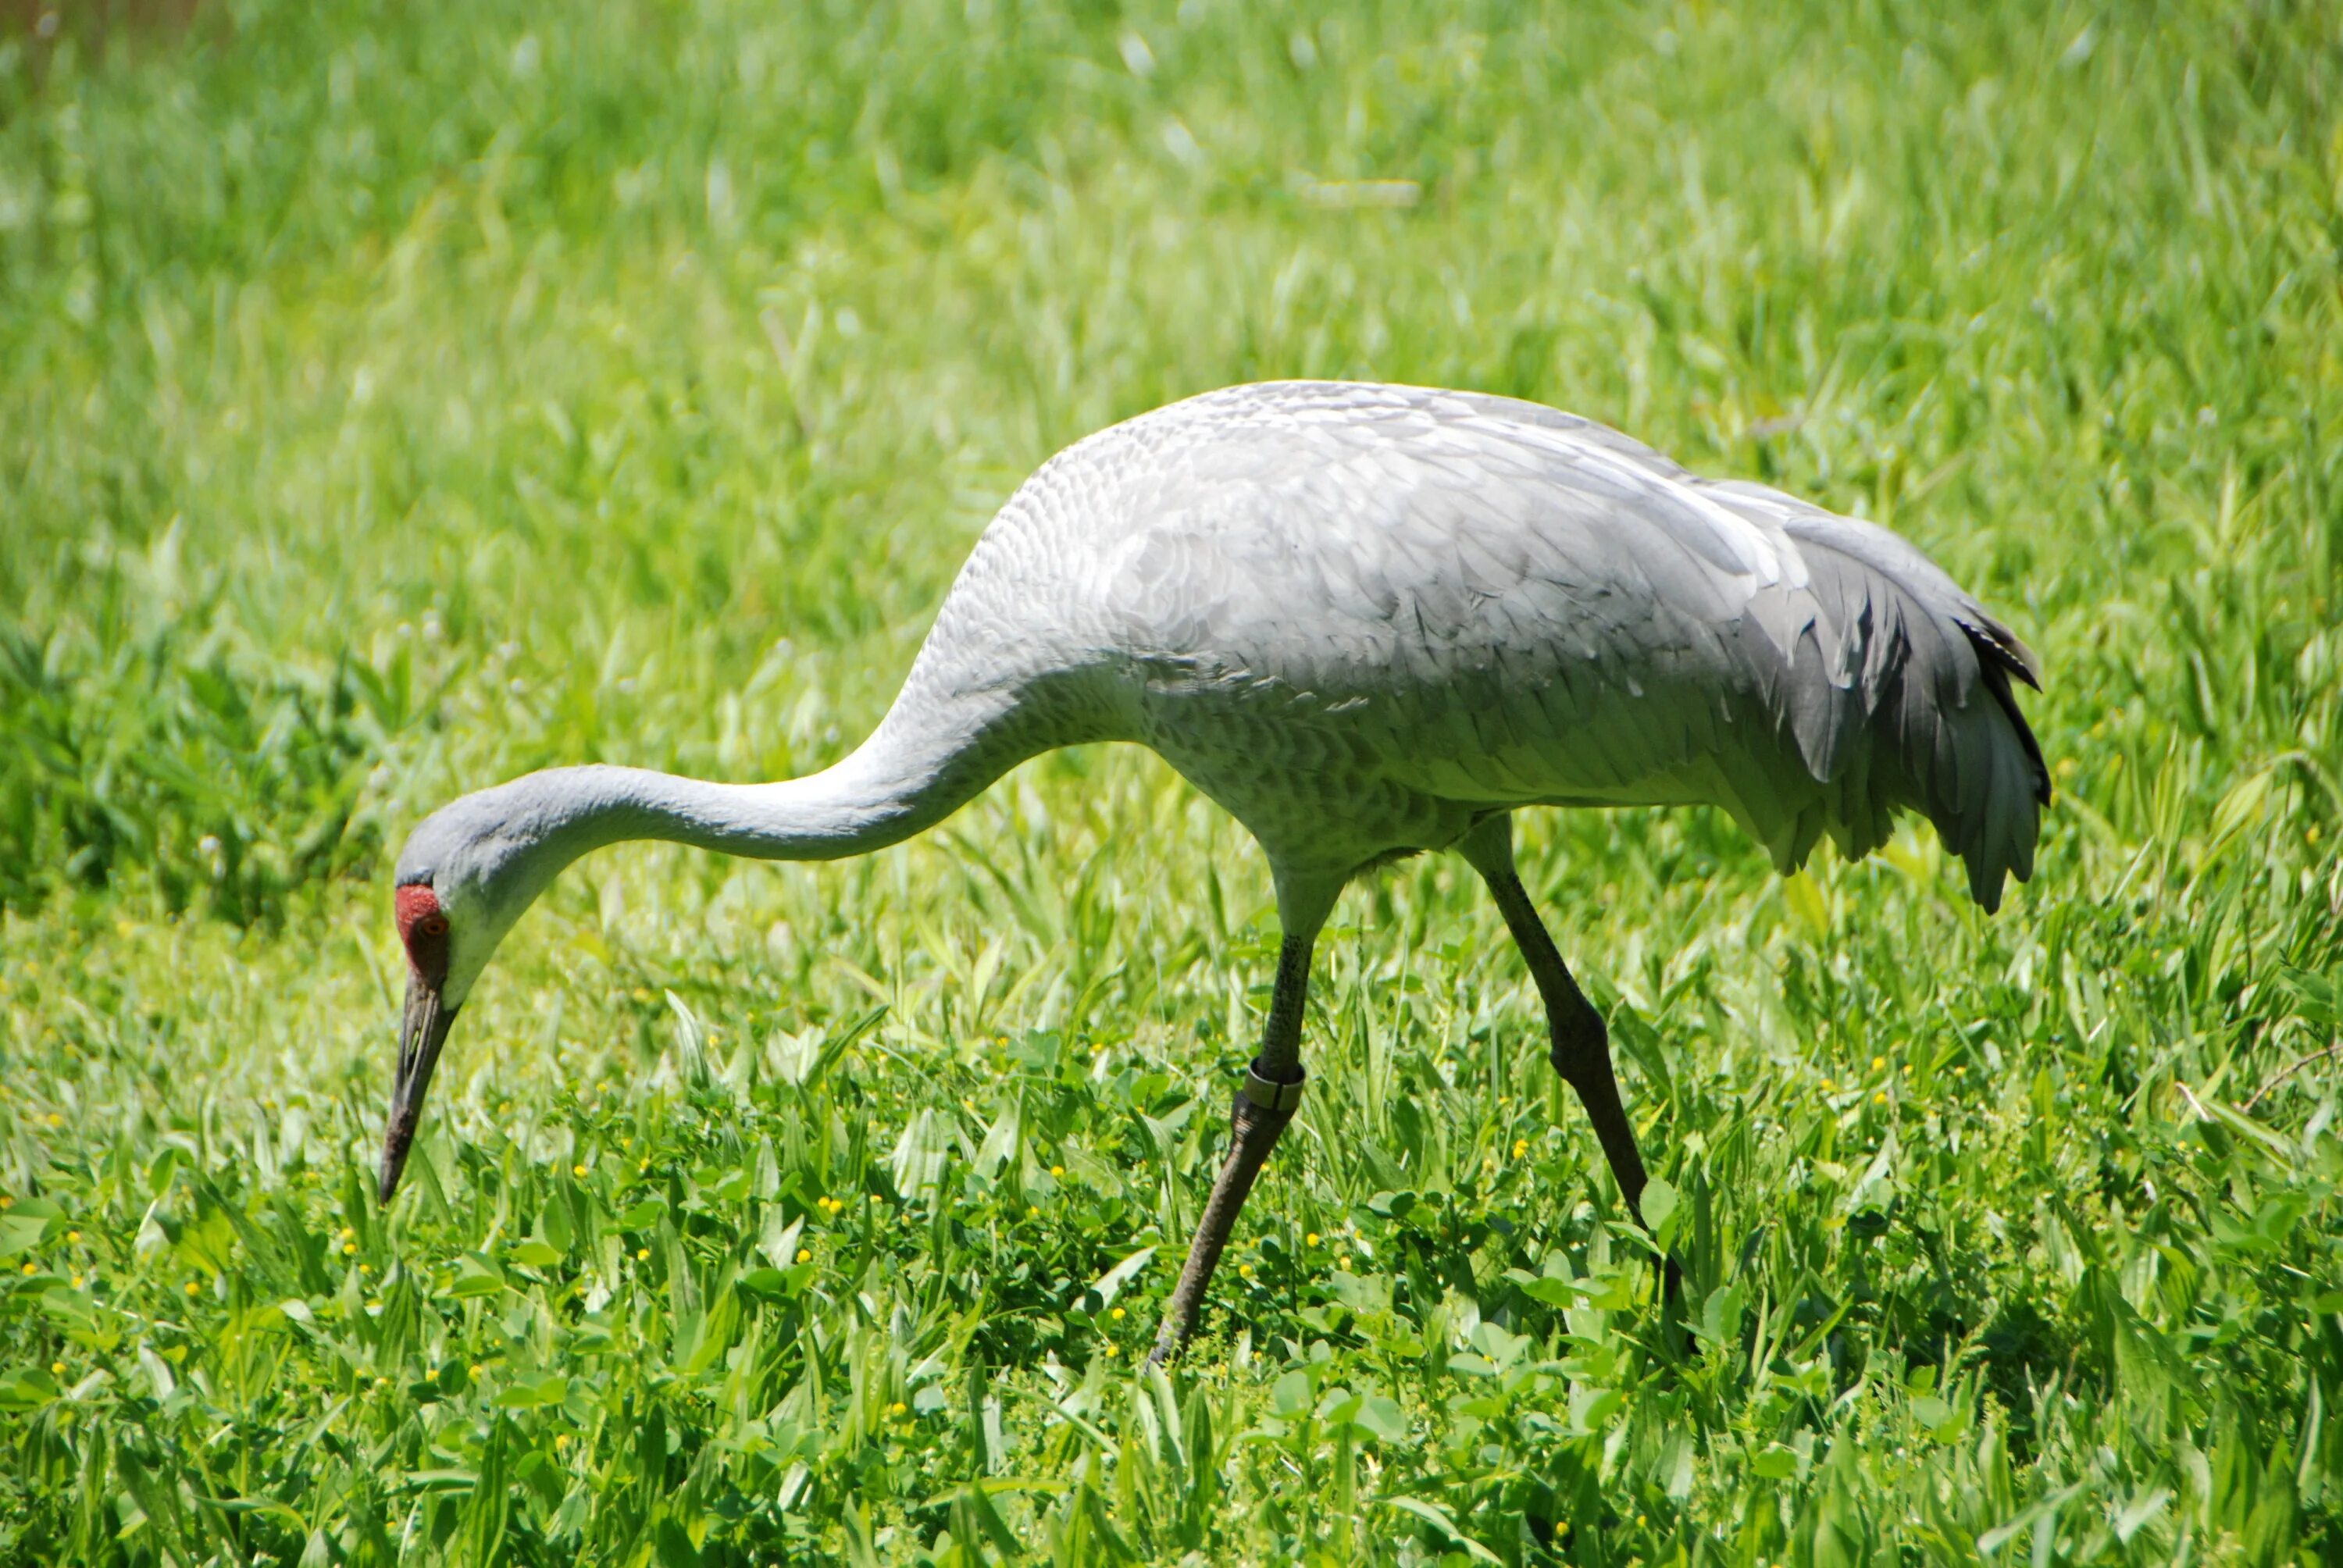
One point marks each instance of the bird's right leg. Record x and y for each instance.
(1265, 1102)
(1581, 1044)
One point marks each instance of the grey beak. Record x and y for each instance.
(421, 1033)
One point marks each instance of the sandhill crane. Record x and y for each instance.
(1367, 620)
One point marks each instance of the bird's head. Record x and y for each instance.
(467, 872)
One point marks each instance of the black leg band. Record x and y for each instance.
(1273, 1096)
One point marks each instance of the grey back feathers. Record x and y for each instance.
(1363, 616)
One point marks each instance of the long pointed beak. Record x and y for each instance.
(421, 1032)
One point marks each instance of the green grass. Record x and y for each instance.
(392, 403)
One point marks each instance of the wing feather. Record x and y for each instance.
(1498, 603)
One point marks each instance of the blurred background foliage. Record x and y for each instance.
(394, 401)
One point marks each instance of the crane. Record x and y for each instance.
(1368, 621)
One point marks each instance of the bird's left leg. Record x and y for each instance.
(1582, 1045)
(1265, 1102)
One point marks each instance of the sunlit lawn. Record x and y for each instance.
(393, 401)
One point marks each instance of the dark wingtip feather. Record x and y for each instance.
(1997, 680)
(1999, 648)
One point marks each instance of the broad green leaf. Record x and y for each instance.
(476, 1276)
(533, 1393)
(918, 1163)
(640, 1216)
(20, 1233)
(1440, 1519)
(1000, 1142)
(26, 1388)
(1381, 1416)
(1101, 1291)
(1659, 1206)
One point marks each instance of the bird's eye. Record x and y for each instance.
(433, 925)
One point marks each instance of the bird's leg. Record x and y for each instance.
(1582, 1054)
(1265, 1102)
(1582, 1045)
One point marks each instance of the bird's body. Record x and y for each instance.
(1369, 620)
(1361, 618)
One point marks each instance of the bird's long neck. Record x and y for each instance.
(492, 853)
(913, 771)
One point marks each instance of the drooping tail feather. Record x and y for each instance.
(1948, 734)
(1896, 693)
(1993, 819)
